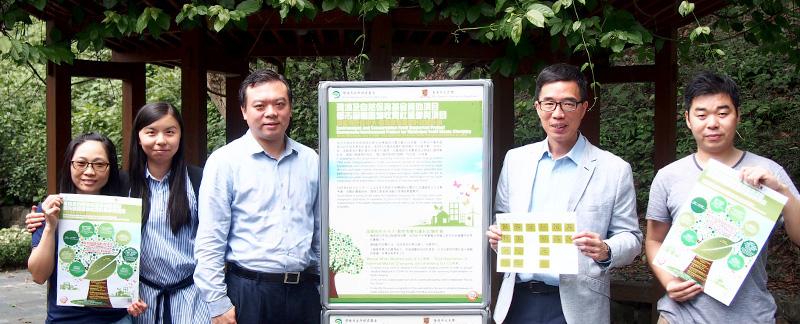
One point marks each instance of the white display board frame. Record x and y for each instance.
(463, 316)
(363, 135)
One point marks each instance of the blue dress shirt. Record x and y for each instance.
(256, 211)
(551, 188)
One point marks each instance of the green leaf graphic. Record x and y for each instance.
(714, 248)
(102, 268)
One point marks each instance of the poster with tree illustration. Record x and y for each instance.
(719, 231)
(99, 241)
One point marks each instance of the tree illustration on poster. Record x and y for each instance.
(105, 253)
(345, 257)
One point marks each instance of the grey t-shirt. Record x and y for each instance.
(753, 303)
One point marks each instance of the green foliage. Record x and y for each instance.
(15, 248)
(22, 133)
(97, 106)
(626, 129)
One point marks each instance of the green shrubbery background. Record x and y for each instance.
(15, 247)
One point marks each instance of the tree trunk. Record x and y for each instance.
(98, 291)
(332, 284)
(698, 269)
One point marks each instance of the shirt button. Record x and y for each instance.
(284, 207)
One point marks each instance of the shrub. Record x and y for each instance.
(15, 247)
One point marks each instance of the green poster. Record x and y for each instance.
(99, 241)
(720, 231)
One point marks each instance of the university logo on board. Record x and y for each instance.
(336, 94)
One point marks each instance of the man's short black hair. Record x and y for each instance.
(562, 72)
(259, 77)
(708, 83)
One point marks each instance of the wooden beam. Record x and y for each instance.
(193, 95)
(469, 52)
(100, 69)
(380, 50)
(133, 98)
(626, 74)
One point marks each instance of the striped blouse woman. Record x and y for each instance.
(159, 175)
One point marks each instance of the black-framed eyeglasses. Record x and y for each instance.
(566, 105)
(83, 165)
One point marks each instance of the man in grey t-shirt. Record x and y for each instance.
(712, 115)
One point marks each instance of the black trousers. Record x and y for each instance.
(529, 308)
(273, 302)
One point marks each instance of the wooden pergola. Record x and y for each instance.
(401, 33)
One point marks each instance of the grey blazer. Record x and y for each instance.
(604, 199)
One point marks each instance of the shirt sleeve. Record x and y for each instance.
(657, 209)
(214, 214)
(36, 237)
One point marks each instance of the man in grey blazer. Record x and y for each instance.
(567, 173)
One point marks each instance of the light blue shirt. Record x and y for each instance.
(258, 212)
(551, 188)
(167, 258)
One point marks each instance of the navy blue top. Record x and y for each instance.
(69, 314)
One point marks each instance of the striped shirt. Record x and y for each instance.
(167, 258)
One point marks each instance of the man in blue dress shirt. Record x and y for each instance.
(259, 215)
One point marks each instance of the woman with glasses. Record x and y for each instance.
(168, 188)
(90, 167)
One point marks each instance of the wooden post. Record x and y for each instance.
(380, 53)
(235, 126)
(133, 98)
(502, 141)
(590, 125)
(193, 94)
(665, 127)
(59, 117)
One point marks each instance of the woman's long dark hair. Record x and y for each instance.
(178, 212)
(112, 187)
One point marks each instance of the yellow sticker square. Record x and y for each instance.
(543, 227)
(530, 227)
(505, 227)
(556, 227)
(569, 227)
(518, 250)
(506, 238)
(519, 239)
(568, 239)
(505, 263)
(506, 250)
(558, 239)
(517, 263)
(544, 238)
(517, 227)
(544, 264)
(544, 251)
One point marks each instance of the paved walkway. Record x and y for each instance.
(21, 299)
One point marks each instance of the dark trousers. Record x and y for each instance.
(529, 308)
(273, 302)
